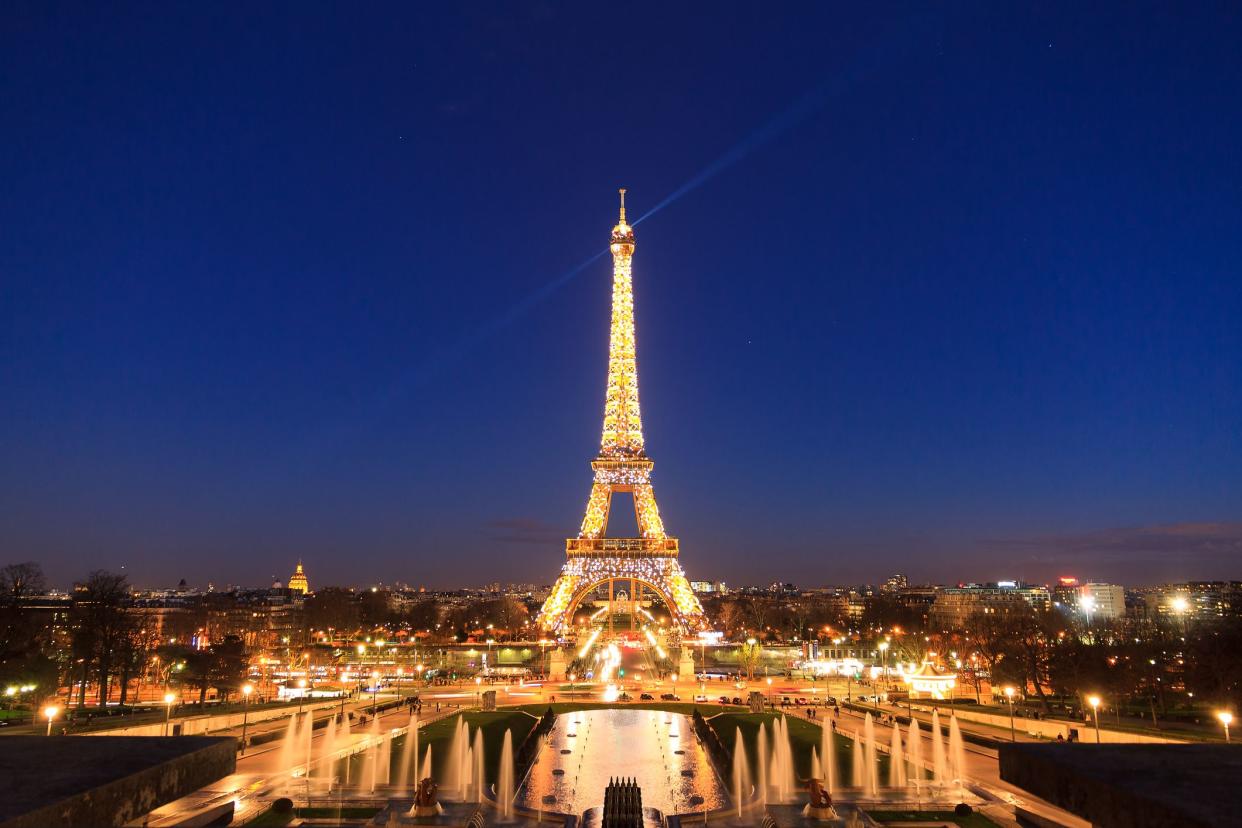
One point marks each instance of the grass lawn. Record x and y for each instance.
(971, 821)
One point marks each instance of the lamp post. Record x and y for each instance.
(572, 676)
(301, 695)
(1013, 734)
(169, 698)
(478, 692)
(50, 713)
(1226, 718)
(247, 689)
(1094, 701)
(375, 692)
(770, 693)
(884, 661)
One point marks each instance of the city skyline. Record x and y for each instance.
(355, 315)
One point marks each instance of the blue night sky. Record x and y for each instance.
(954, 293)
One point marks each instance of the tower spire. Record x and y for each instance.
(622, 205)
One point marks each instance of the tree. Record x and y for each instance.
(748, 656)
(100, 626)
(228, 665)
(24, 658)
(332, 608)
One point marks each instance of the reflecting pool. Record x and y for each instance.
(587, 748)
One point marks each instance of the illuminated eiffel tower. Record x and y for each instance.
(645, 563)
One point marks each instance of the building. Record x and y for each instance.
(298, 582)
(1101, 602)
(954, 606)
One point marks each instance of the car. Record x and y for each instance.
(700, 699)
(737, 700)
(623, 697)
(646, 697)
(800, 701)
(830, 700)
(724, 699)
(668, 697)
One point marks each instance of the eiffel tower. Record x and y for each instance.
(649, 562)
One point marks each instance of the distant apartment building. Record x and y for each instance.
(1195, 600)
(1102, 602)
(954, 606)
(709, 587)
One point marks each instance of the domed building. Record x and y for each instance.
(298, 582)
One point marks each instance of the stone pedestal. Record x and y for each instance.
(685, 666)
(556, 668)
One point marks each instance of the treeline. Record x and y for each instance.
(103, 645)
(349, 612)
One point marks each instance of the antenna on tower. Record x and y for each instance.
(622, 191)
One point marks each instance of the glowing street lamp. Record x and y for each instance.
(1013, 735)
(1226, 718)
(1094, 701)
(169, 698)
(50, 713)
(770, 692)
(375, 692)
(247, 689)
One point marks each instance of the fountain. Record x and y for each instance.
(284, 758)
(957, 750)
(896, 761)
(327, 752)
(307, 739)
(409, 755)
(761, 759)
(782, 767)
(828, 759)
(871, 772)
(477, 753)
(504, 788)
(857, 775)
(940, 770)
(456, 768)
(915, 741)
(741, 772)
(426, 772)
(817, 770)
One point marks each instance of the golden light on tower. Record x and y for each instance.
(622, 465)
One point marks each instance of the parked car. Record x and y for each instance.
(624, 697)
(700, 699)
(668, 697)
(737, 700)
(724, 699)
(646, 697)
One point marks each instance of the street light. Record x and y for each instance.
(1226, 718)
(884, 660)
(770, 693)
(169, 698)
(1013, 735)
(301, 695)
(50, 712)
(478, 691)
(247, 689)
(375, 692)
(1094, 701)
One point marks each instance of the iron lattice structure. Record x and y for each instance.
(651, 560)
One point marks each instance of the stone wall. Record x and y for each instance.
(68, 780)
